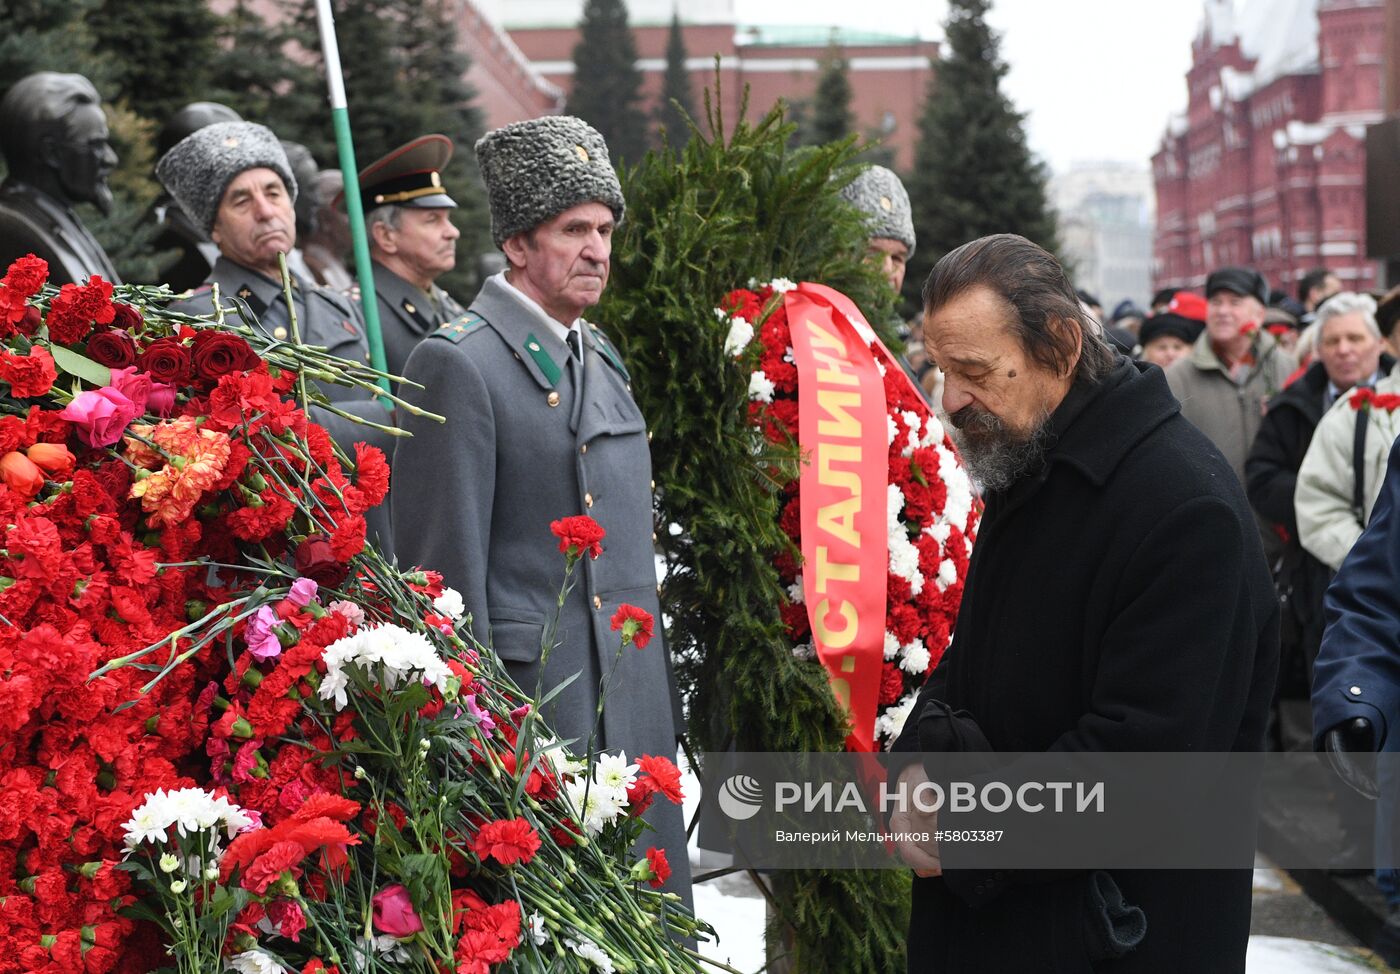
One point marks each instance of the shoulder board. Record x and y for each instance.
(458, 328)
(608, 351)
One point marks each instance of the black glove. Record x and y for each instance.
(1350, 748)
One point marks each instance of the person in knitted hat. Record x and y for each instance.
(235, 184)
(541, 425)
(878, 193)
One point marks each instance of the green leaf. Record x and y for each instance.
(80, 366)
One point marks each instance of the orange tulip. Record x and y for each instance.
(20, 474)
(52, 458)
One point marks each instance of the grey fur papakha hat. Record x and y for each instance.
(198, 168)
(880, 195)
(537, 169)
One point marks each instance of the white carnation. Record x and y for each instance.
(781, 285)
(913, 421)
(904, 560)
(590, 952)
(804, 651)
(450, 604)
(794, 591)
(721, 314)
(538, 932)
(890, 724)
(894, 503)
(891, 645)
(740, 334)
(947, 573)
(933, 432)
(891, 430)
(789, 356)
(761, 388)
(914, 658)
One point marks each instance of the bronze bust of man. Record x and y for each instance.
(53, 135)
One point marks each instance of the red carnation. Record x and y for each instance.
(21, 282)
(507, 841)
(28, 375)
(635, 624)
(166, 360)
(579, 535)
(268, 867)
(77, 308)
(891, 684)
(667, 775)
(660, 868)
(371, 473)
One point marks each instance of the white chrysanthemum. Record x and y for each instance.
(914, 658)
(597, 807)
(781, 285)
(450, 604)
(891, 430)
(591, 952)
(614, 773)
(740, 334)
(563, 762)
(915, 424)
(391, 653)
(804, 651)
(721, 314)
(933, 431)
(539, 933)
(894, 503)
(188, 809)
(891, 645)
(890, 724)
(761, 388)
(254, 962)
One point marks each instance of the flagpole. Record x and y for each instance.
(340, 118)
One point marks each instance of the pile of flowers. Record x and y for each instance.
(234, 733)
(932, 511)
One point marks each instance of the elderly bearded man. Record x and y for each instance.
(1117, 600)
(541, 425)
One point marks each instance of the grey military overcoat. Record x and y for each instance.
(474, 499)
(407, 315)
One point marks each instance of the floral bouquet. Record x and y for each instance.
(238, 737)
(932, 512)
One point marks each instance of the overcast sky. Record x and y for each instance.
(1098, 78)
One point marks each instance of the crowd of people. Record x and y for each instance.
(1220, 456)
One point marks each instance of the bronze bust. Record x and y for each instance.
(53, 135)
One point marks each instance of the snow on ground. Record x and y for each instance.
(1281, 955)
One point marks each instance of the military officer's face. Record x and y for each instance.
(563, 263)
(425, 241)
(255, 221)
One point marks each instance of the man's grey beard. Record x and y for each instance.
(995, 455)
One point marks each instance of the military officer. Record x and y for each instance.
(411, 242)
(541, 425)
(234, 182)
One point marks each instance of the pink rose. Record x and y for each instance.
(393, 912)
(303, 591)
(261, 635)
(144, 391)
(102, 416)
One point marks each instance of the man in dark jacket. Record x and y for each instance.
(1348, 354)
(1117, 600)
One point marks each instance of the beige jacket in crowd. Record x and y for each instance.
(1227, 412)
(1322, 500)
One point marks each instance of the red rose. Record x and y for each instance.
(112, 348)
(166, 360)
(394, 913)
(636, 625)
(218, 353)
(28, 375)
(315, 559)
(507, 841)
(127, 318)
(578, 536)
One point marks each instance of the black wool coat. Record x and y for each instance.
(1117, 600)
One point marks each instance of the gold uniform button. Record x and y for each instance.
(653, 485)
(552, 398)
(583, 449)
(649, 435)
(409, 308)
(279, 333)
(587, 500)
(597, 601)
(653, 537)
